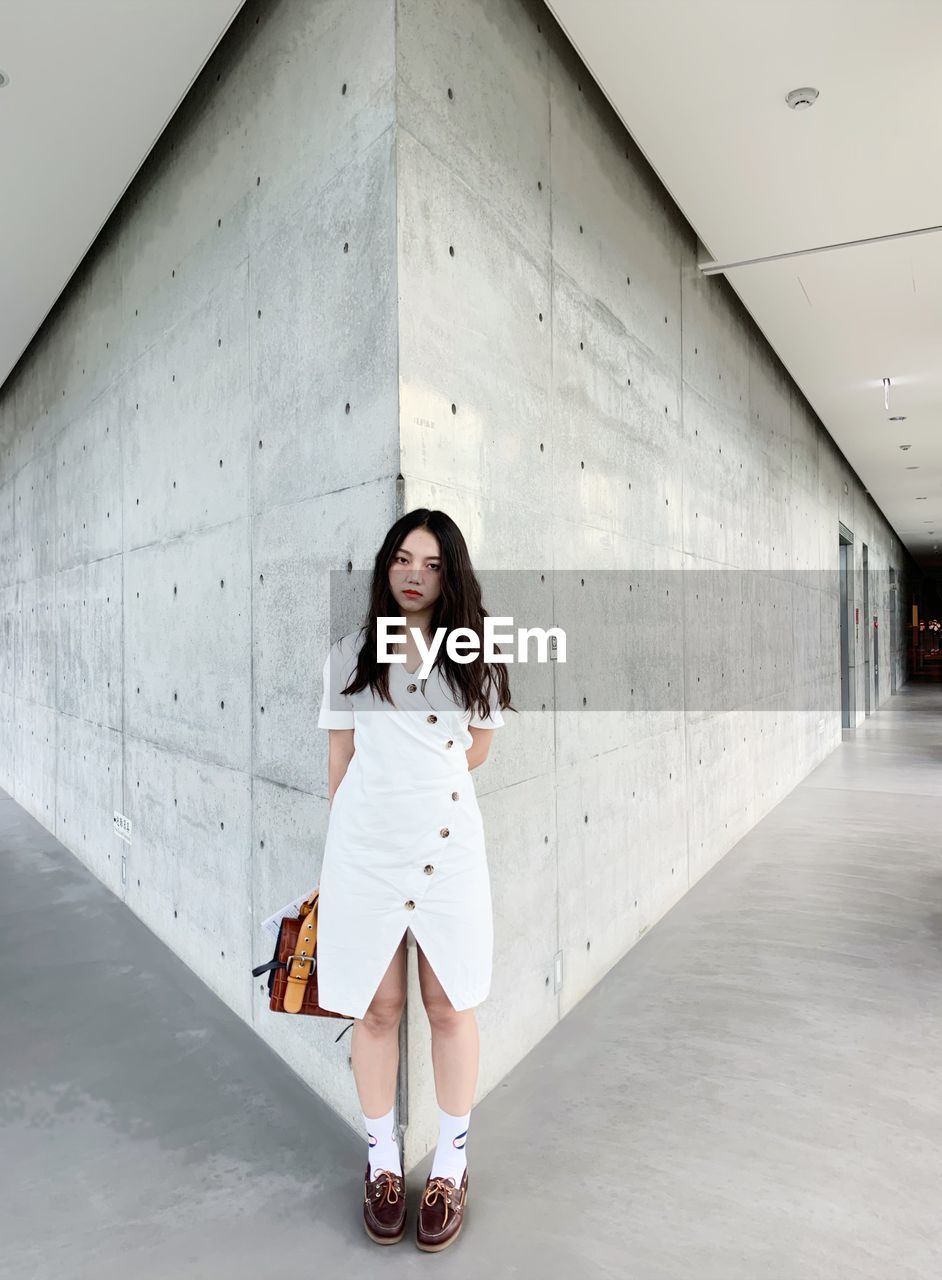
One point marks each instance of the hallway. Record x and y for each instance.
(754, 1091)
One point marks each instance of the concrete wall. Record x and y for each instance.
(577, 396)
(205, 425)
(210, 419)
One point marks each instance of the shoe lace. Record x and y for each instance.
(387, 1186)
(441, 1188)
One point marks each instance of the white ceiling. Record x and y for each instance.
(93, 84)
(699, 84)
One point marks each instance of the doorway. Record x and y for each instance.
(848, 664)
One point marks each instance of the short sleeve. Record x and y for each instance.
(336, 708)
(494, 719)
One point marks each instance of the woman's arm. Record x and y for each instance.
(340, 750)
(477, 752)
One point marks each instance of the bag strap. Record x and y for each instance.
(300, 966)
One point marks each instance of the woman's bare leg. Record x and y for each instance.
(374, 1049)
(456, 1044)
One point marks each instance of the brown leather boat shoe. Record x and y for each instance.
(384, 1206)
(441, 1212)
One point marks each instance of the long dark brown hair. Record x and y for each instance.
(458, 605)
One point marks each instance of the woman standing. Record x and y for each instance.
(405, 849)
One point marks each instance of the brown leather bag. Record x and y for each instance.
(292, 971)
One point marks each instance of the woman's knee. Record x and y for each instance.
(442, 1014)
(385, 1009)
(384, 1012)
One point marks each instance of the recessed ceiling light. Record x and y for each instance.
(801, 99)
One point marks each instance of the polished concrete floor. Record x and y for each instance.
(755, 1091)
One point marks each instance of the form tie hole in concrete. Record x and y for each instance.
(454, 409)
(451, 250)
(343, 89)
(450, 94)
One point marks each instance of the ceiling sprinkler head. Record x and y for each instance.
(800, 99)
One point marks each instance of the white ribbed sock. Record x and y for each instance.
(383, 1142)
(450, 1160)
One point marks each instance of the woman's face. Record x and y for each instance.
(415, 575)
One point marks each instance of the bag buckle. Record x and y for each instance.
(311, 960)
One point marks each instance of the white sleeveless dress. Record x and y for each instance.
(405, 840)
